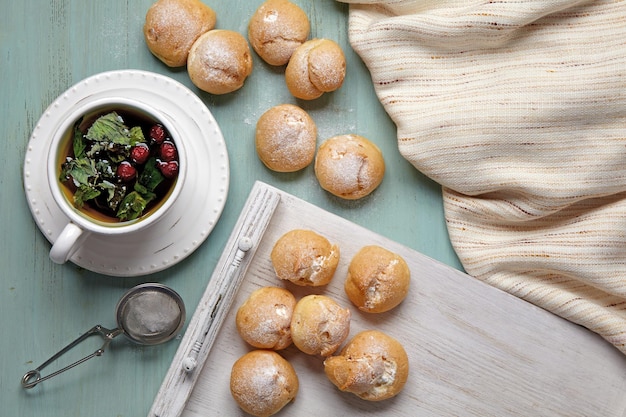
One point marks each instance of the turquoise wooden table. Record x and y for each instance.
(47, 46)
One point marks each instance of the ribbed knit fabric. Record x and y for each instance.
(518, 109)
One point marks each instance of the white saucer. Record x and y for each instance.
(189, 221)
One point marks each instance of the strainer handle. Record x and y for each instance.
(33, 377)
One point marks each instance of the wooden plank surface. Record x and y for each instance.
(215, 304)
(474, 350)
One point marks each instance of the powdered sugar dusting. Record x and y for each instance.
(272, 331)
(371, 375)
(320, 266)
(219, 61)
(264, 319)
(320, 325)
(172, 27)
(261, 384)
(271, 16)
(377, 291)
(344, 167)
(305, 258)
(286, 138)
(327, 65)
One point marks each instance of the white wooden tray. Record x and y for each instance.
(474, 350)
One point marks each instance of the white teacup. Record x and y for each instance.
(80, 224)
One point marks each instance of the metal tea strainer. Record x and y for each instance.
(148, 314)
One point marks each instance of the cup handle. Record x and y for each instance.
(66, 244)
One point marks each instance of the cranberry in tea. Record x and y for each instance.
(119, 165)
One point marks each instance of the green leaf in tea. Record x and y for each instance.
(131, 207)
(78, 143)
(105, 169)
(151, 177)
(85, 193)
(81, 170)
(109, 128)
(136, 136)
(117, 152)
(144, 192)
(114, 194)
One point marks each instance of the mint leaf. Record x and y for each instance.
(85, 193)
(96, 149)
(115, 193)
(78, 143)
(105, 169)
(109, 128)
(151, 177)
(145, 193)
(131, 206)
(117, 152)
(113, 151)
(136, 136)
(82, 171)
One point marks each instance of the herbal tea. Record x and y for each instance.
(118, 166)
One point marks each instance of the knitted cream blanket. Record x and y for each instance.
(518, 109)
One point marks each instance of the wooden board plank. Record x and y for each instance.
(215, 304)
(474, 350)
